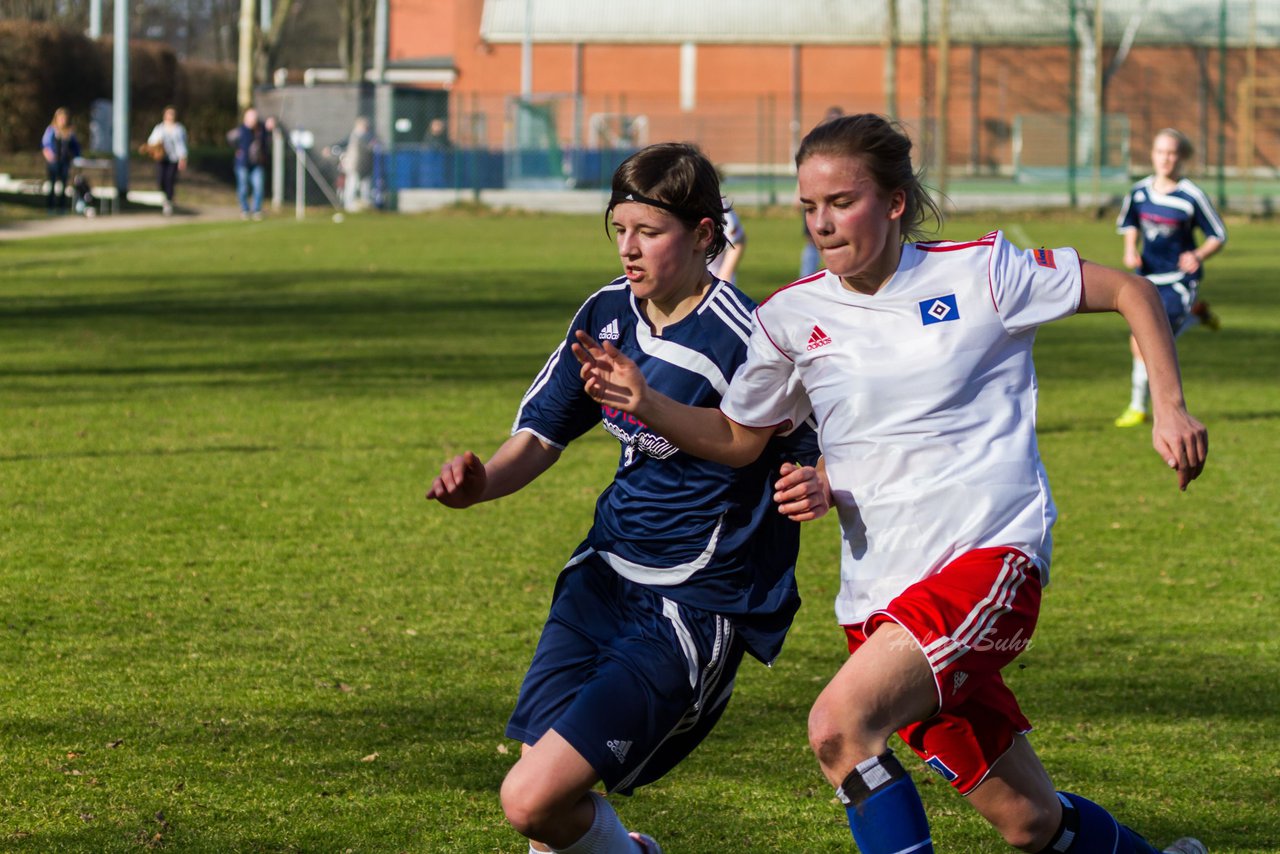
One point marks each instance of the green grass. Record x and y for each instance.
(230, 622)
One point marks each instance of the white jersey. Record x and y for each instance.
(925, 398)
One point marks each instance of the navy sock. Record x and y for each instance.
(885, 813)
(1087, 827)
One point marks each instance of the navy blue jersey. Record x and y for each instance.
(1167, 223)
(700, 533)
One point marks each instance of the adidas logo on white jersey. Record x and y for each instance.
(610, 331)
(817, 338)
(618, 746)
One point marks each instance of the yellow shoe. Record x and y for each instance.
(1131, 418)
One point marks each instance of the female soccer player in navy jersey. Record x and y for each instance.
(915, 359)
(688, 564)
(1163, 211)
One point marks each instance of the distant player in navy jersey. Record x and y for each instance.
(1162, 213)
(915, 360)
(688, 565)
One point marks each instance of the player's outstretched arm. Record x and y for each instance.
(612, 379)
(1181, 441)
(802, 493)
(466, 480)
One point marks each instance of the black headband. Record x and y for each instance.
(683, 213)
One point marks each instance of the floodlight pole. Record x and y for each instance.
(120, 100)
(380, 41)
(1099, 138)
(1222, 105)
(891, 59)
(526, 54)
(944, 96)
(244, 78)
(300, 183)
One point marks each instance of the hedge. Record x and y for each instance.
(43, 67)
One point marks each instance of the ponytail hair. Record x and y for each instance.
(885, 150)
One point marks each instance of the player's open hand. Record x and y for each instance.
(608, 375)
(802, 493)
(461, 482)
(1182, 442)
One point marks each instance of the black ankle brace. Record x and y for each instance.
(868, 776)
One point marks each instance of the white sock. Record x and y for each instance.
(1138, 387)
(606, 835)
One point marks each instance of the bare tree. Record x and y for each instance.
(353, 40)
(69, 13)
(266, 57)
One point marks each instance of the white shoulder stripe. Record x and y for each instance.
(539, 382)
(725, 295)
(544, 375)
(730, 301)
(1210, 213)
(681, 356)
(733, 323)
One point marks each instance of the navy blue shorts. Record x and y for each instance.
(1178, 298)
(632, 680)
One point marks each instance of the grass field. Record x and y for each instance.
(230, 622)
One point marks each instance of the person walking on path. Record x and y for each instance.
(168, 144)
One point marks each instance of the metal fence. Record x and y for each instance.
(1052, 99)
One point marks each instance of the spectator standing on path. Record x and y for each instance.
(357, 166)
(168, 142)
(59, 146)
(251, 140)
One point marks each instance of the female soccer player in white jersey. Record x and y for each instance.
(915, 359)
(688, 564)
(1164, 210)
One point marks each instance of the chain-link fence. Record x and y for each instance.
(1048, 98)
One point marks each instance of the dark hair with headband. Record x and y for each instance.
(678, 178)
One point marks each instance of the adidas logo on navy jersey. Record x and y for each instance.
(619, 748)
(610, 331)
(817, 338)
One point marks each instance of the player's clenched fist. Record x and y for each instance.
(461, 482)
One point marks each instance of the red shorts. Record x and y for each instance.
(970, 619)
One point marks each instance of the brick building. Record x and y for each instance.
(746, 78)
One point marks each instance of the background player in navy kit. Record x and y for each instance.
(688, 564)
(1163, 211)
(915, 359)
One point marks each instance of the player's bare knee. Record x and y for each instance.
(528, 813)
(1028, 826)
(841, 737)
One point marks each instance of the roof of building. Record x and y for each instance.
(1202, 22)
